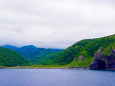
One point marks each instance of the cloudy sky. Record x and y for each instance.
(54, 23)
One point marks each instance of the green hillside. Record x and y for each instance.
(48, 59)
(32, 53)
(81, 53)
(10, 57)
(40, 55)
(26, 50)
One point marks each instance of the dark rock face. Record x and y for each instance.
(98, 64)
(103, 61)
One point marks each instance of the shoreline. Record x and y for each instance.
(78, 68)
(85, 68)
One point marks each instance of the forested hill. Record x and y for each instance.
(10, 47)
(32, 53)
(79, 54)
(85, 50)
(10, 57)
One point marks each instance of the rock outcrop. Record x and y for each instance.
(104, 60)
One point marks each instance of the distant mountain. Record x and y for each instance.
(57, 50)
(81, 53)
(10, 57)
(48, 59)
(10, 47)
(26, 50)
(32, 53)
(40, 55)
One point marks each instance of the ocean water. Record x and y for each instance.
(56, 77)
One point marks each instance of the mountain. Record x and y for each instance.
(48, 59)
(10, 57)
(32, 53)
(26, 50)
(85, 53)
(10, 47)
(40, 55)
(57, 50)
(81, 53)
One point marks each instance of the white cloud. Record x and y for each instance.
(55, 23)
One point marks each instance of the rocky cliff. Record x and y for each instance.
(104, 60)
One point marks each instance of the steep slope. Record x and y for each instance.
(104, 59)
(70, 53)
(84, 48)
(10, 57)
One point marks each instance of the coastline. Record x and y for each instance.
(84, 68)
(78, 68)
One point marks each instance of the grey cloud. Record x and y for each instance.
(55, 23)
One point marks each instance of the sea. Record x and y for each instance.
(56, 77)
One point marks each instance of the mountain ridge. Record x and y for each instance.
(80, 54)
(32, 53)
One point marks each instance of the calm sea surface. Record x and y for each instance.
(56, 77)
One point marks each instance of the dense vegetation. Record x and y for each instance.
(10, 57)
(27, 50)
(34, 59)
(48, 59)
(107, 51)
(79, 54)
(36, 55)
(85, 48)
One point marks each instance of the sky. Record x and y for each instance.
(55, 23)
